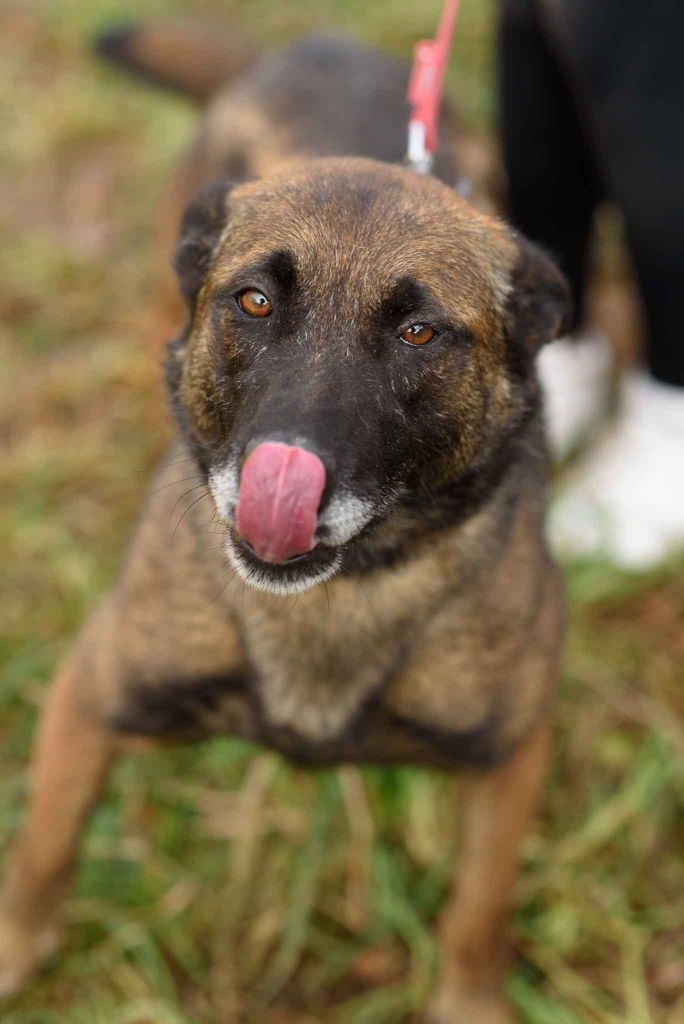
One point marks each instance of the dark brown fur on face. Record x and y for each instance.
(436, 639)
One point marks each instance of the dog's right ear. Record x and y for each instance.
(203, 221)
(539, 307)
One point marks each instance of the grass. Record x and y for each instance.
(217, 884)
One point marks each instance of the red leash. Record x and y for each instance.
(426, 84)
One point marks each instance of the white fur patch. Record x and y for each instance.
(224, 484)
(344, 517)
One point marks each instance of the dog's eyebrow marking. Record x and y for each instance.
(406, 297)
(281, 266)
(278, 266)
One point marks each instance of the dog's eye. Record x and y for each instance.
(254, 303)
(418, 334)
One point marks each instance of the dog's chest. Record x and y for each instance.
(323, 679)
(313, 674)
(328, 691)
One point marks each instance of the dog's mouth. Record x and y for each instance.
(290, 576)
(321, 554)
(278, 539)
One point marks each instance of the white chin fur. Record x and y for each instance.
(261, 579)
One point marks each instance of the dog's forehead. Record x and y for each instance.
(366, 226)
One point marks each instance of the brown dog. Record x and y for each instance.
(355, 391)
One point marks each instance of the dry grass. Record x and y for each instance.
(217, 884)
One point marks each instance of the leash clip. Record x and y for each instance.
(425, 88)
(421, 142)
(418, 156)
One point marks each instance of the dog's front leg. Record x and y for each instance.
(496, 810)
(72, 756)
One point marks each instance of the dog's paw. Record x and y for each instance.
(22, 952)
(449, 1007)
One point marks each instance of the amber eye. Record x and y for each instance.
(418, 334)
(254, 303)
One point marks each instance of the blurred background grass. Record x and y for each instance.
(217, 884)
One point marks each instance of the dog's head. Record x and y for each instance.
(359, 340)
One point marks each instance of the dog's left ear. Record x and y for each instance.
(203, 221)
(539, 306)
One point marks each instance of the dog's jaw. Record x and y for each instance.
(344, 518)
(264, 577)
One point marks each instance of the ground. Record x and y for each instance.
(217, 884)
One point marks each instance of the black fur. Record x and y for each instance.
(174, 709)
(181, 710)
(539, 306)
(201, 227)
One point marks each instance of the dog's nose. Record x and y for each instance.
(281, 487)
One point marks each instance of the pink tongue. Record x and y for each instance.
(280, 491)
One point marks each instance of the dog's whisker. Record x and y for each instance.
(182, 439)
(178, 462)
(212, 551)
(188, 509)
(185, 494)
(232, 579)
(171, 483)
